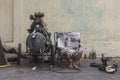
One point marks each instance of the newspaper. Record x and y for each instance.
(68, 40)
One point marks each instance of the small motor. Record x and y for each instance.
(107, 68)
(113, 68)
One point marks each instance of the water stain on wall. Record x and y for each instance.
(87, 18)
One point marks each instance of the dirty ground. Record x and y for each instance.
(42, 72)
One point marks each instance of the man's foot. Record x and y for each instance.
(70, 66)
(75, 66)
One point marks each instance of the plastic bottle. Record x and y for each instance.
(66, 42)
(94, 55)
(85, 53)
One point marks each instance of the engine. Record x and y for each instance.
(38, 40)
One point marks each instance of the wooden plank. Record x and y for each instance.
(2, 56)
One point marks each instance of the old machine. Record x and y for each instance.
(104, 66)
(108, 68)
(38, 42)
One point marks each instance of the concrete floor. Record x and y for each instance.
(25, 72)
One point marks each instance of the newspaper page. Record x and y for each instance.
(68, 40)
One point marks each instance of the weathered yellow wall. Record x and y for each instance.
(6, 20)
(98, 21)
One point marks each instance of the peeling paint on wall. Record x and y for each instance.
(85, 15)
(67, 6)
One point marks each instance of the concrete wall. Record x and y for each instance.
(6, 20)
(98, 21)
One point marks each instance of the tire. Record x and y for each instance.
(36, 44)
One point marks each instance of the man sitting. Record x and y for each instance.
(70, 46)
(72, 53)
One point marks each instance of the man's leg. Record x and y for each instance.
(67, 56)
(77, 57)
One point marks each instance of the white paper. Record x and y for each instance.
(34, 68)
(72, 39)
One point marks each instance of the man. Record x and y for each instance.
(75, 53)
